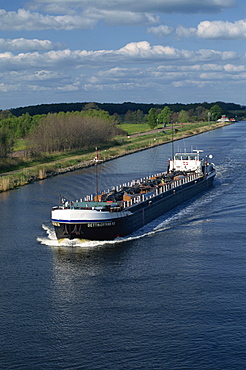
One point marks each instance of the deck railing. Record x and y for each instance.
(156, 191)
(160, 190)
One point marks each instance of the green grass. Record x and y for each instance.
(135, 128)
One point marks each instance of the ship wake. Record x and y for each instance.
(51, 240)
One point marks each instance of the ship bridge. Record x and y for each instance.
(187, 162)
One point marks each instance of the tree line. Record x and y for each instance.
(66, 131)
(166, 115)
(122, 108)
(157, 116)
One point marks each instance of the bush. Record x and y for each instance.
(65, 132)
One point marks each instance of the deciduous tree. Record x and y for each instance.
(183, 116)
(6, 142)
(165, 115)
(70, 131)
(216, 112)
(152, 118)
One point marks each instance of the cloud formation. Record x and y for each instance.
(136, 6)
(160, 31)
(166, 59)
(26, 20)
(140, 52)
(220, 30)
(25, 44)
(83, 14)
(84, 49)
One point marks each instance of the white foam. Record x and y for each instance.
(51, 240)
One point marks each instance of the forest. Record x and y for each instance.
(54, 128)
(122, 108)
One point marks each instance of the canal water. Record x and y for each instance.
(171, 296)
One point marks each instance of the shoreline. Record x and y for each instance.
(10, 181)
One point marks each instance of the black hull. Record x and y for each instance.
(142, 213)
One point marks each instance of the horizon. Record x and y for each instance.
(121, 103)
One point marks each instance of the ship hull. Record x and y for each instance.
(119, 225)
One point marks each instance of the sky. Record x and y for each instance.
(115, 51)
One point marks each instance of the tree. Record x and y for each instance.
(165, 115)
(6, 142)
(90, 106)
(5, 114)
(152, 118)
(174, 117)
(117, 118)
(139, 116)
(183, 116)
(128, 116)
(60, 132)
(216, 112)
(201, 113)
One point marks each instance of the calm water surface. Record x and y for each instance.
(171, 296)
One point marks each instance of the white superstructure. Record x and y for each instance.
(187, 162)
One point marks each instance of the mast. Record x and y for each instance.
(96, 162)
(172, 143)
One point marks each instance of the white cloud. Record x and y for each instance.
(5, 88)
(186, 32)
(160, 31)
(117, 17)
(137, 6)
(232, 68)
(143, 50)
(220, 30)
(179, 76)
(135, 67)
(41, 75)
(25, 20)
(68, 88)
(130, 53)
(82, 14)
(25, 44)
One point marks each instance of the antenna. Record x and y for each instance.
(172, 143)
(96, 161)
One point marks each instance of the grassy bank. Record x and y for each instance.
(139, 138)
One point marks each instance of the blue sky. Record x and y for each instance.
(146, 51)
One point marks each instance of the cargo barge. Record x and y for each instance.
(125, 209)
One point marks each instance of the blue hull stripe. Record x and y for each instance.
(85, 222)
